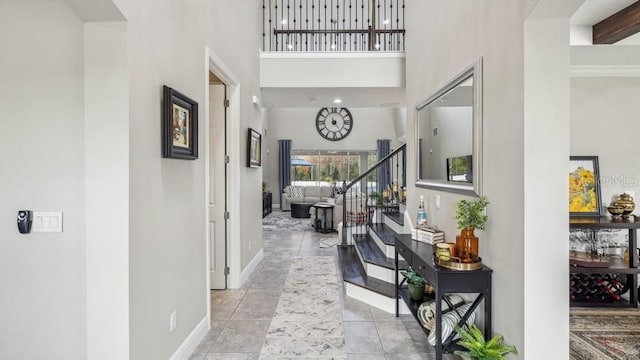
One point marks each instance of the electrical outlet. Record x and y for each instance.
(173, 321)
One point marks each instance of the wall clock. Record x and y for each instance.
(334, 123)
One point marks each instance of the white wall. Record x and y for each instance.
(42, 303)
(443, 38)
(167, 41)
(106, 118)
(299, 125)
(604, 123)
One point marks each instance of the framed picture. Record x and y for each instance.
(179, 125)
(584, 186)
(254, 149)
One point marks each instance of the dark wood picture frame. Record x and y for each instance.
(254, 149)
(179, 125)
(584, 186)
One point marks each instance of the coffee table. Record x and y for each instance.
(300, 210)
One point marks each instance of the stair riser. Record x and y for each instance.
(393, 225)
(378, 272)
(374, 299)
(388, 250)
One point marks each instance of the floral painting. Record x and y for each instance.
(584, 190)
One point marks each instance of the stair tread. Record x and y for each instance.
(385, 233)
(396, 216)
(352, 272)
(372, 254)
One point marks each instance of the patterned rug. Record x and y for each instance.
(307, 323)
(282, 221)
(605, 334)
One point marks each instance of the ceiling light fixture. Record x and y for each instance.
(385, 21)
(289, 46)
(283, 22)
(377, 46)
(337, 101)
(333, 46)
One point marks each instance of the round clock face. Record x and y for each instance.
(334, 123)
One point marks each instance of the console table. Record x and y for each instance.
(444, 281)
(267, 205)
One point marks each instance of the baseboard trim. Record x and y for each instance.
(189, 344)
(244, 276)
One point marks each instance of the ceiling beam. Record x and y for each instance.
(618, 26)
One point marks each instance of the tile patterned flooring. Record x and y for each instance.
(243, 321)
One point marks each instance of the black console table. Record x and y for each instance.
(267, 205)
(444, 281)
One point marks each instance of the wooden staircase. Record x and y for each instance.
(368, 266)
(367, 253)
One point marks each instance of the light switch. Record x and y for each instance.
(49, 221)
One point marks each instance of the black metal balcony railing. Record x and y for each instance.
(363, 206)
(333, 25)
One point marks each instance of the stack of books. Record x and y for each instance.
(427, 235)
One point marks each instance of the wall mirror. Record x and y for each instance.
(449, 135)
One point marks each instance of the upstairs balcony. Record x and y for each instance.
(333, 25)
(313, 48)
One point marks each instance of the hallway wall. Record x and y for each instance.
(167, 41)
(443, 38)
(42, 302)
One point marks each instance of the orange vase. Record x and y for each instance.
(467, 244)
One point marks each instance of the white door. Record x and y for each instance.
(217, 193)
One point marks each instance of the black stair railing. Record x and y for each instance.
(333, 25)
(366, 198)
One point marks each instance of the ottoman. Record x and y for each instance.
(300, 210)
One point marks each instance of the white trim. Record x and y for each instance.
(244, 276)
(605, 70)
(374, 299)
(191, 342)
(331, 55)
(215, 64)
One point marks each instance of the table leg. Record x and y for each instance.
(438, 325)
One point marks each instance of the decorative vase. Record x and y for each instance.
(416, 292)
(625, 201)
(467, 244)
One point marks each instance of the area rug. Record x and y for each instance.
(597, 334)
(307, 323)
(282, 221)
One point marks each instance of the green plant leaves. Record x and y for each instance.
(477, 348)
(470, 214)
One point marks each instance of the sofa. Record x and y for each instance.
(308, 194)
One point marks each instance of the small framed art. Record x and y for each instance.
(254, 149)
(584, 186)
(179, 125)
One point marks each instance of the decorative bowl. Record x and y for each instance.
(615, 211)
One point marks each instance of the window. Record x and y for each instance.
(325, 167)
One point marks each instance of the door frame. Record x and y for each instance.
(214, 64)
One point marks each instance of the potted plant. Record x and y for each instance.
(470, 215)
(416, 283)
(376, 198)
(477, 348)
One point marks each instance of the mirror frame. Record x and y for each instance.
(475, 188)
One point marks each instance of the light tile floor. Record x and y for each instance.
(240, 318)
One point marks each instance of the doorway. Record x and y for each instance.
(217, 200)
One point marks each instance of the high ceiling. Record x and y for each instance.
(590, 13)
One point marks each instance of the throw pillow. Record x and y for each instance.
(295, 192)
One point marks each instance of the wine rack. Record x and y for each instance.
(598, 286)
